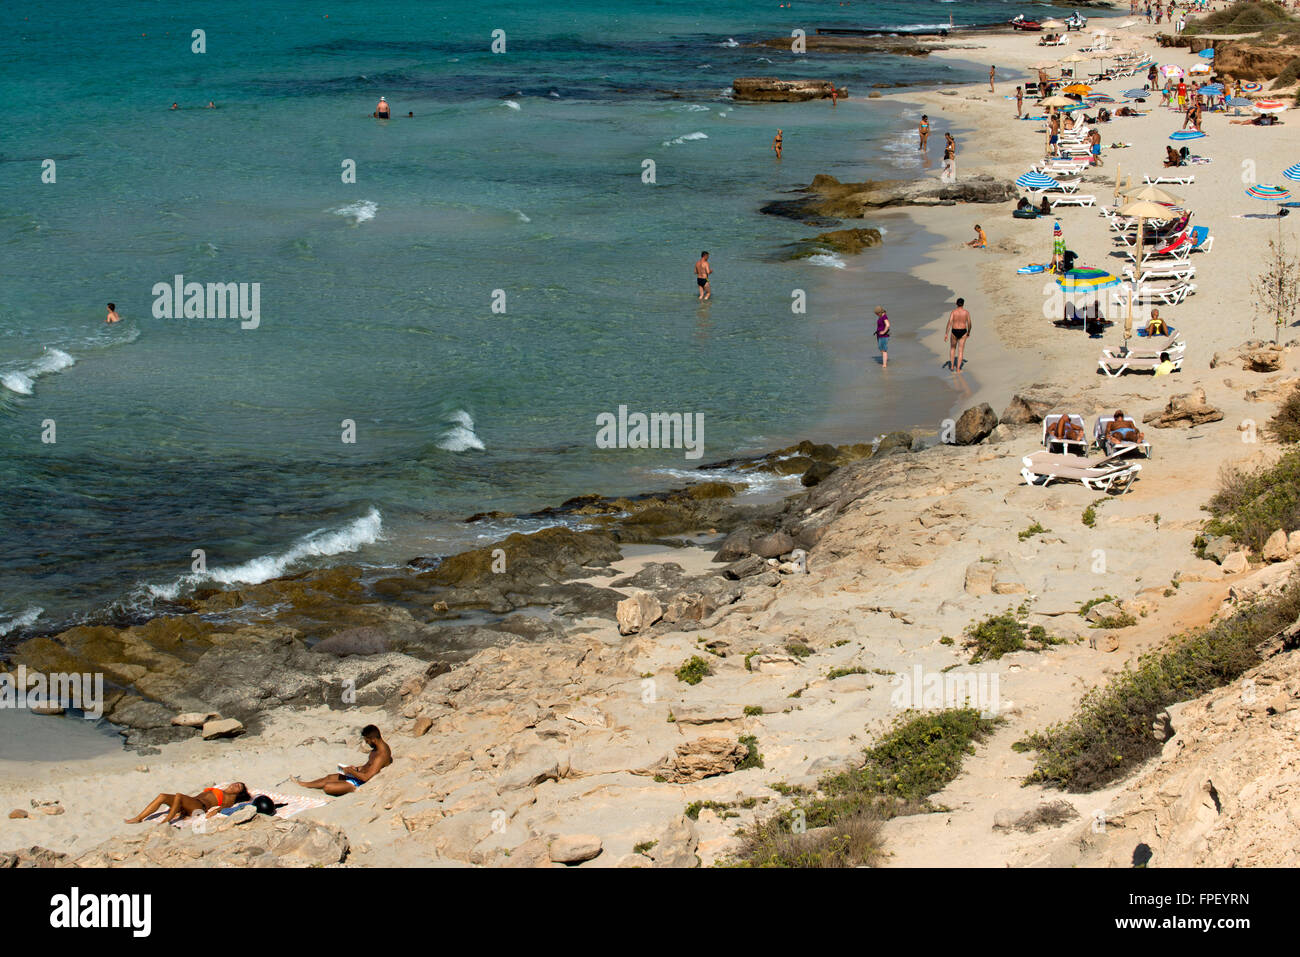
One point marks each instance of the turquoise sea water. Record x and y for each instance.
(520, 171)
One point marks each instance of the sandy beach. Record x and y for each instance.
(592, 740)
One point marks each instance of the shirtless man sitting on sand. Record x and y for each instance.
(210, 801)
(351, 778)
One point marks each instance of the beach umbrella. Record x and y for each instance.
(1251, 87)
(1207, 53)
(1200, 68)
(1141, 210)
(1059, 100)
(1099, 98)
(1136, 94)
(1037, 181)
(1078, 89)
(1268, 192)
(1042, 65)
(1212, 89)
(1292, 172)
(1170, 69)
(1052, 25)
(1150, 193)
(1186, 135)
(1269, 106)
(1086, 279)
(1237, 102)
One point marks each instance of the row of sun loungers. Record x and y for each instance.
(1102, 474)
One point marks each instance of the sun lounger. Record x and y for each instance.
(1187, 180)
(1098, 474)
(1149, 348)
(1163, 269)
(1074, 199)
(1178, 248)
(1115, 366)
(1068, 446)
(1114, 447)
(1168, 291)
(1201, 239)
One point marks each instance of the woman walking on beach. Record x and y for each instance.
(882, 335)
(949, 159)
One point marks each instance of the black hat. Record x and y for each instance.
(264, 805)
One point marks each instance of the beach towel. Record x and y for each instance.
(294, 804)
(1031, 268)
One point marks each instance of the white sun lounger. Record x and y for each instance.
(1116, 448)
(1163, 269)
(1115, 366)
(1147, 348)
(1053, 444)
(1073, 199)
(1168, 291)
(1099, 474)
(1187, 180)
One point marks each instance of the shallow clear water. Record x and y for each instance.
(519, 172)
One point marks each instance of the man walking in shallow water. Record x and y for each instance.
(702, 272)
(956, 334)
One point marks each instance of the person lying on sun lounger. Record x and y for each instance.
(1064, 430)
(209, 801)
(1122, 429)
(351, 778)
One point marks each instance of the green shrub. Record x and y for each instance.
(694, 670)
(798, 649)
(1110, 733)
(753, 709)
(1000, 635)
(753, 758)
(1092, 603)
(1285, 426)
(841, 672)
(1252, 504)
(1033, 530)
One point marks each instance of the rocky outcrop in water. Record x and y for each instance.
(769, 89)
(826, 198)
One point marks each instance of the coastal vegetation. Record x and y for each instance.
(837, 823)
(1253, 503)
(1245, 16)
(1000, 635)
(1111, 732)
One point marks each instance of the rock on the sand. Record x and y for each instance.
(18, 814)
(772, 546)
(574, 848)
(223, 728)
(979, 578)
(194, 719)
(1236, 563)
(1028, 408)
(638, 612)
(975, 423)
(1275, 549)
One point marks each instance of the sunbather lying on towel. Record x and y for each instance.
(1122, 429)
(210, 801)
(1172, 157)
(1063, 430)
(351, 778)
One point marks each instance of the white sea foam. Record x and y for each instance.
(689, 108)
(321, 543)
(459, 435)
(24, 619)
(511, 104)
(22, 381)
(363, 210)
(755, 482)
(522, 217)
(729, 42)
(685, 139)
(827, 259)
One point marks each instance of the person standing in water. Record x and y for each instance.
(112, 314)
(777, 141)
(924, 131)
(702, 272)
(992, 70)
(956, 333)
(381, 110)
(882, 335)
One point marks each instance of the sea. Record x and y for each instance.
(447, 301)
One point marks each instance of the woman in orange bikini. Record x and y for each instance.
(210, 801)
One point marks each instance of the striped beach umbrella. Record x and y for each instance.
(1037, 182)
(1136, 94)
(1186, 135)
(1269, 106)
(1099, 98)
(1212, 89)
(1268, 192)
(1087, 279)
(1251, 87)
(1292, 172)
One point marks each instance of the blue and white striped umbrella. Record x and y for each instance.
(1212, 89)
(1240, 101)
(1292, 172)
(1036, 181)
(1136, 94)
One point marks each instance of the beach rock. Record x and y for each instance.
(1184, 411)
(1235, 564)
(223, 728)
(1293, 544)
(194, 719)
(817, 473)
(1219, 547)
(1275, 548)
(366, 640)
(1103, 611)
(975, 423)
(18, 814)
(699, 759)
(895, 440)
(676, 845)
(735, 546)
(32, 857)
(772, 546)
(1265, 360)
(745, 568)
(1028, 408)
(848, 242)
(240, 815)
(421, 726)
(574, 848)
(638, 612)
(828, 199)
(768, 89)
